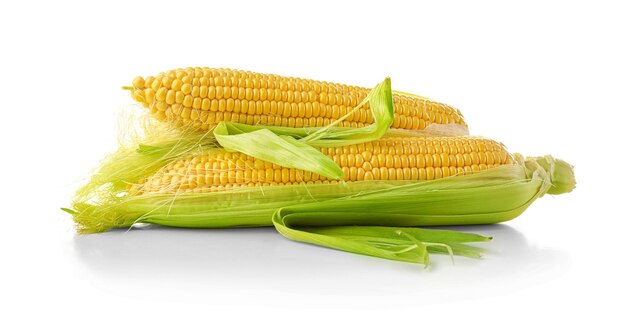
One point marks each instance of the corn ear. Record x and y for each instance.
(382, 211)
(204, 97)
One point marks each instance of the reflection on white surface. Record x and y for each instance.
(144, 262)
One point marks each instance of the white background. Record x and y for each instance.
(541, 76)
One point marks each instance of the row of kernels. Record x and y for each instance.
(410, 123)
(421, 173)
(209, 117)
(257, 80)
(244, 176)
(217, 92)
(419, 159)
(227, 187)
(450, 145)
(290, 176)
(427, 110)
(278, 88)
(302, 110)
(415, 103)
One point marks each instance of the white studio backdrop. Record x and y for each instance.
(543, 77)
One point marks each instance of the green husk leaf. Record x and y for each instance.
(394, 243)
(268, 146)
(295, 147)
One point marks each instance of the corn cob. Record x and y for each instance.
(391, 158)
(204, 97)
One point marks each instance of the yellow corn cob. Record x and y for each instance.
(205, 96)
(391, 158)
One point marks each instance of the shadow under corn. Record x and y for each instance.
(261, 256)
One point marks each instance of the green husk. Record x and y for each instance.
(491, 196)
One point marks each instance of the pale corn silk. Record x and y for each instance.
(377, 218)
